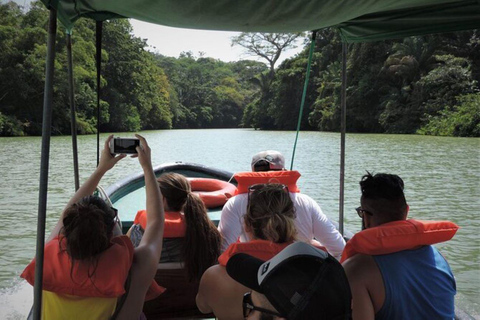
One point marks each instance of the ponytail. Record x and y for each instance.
(202, 239)
(271, 214)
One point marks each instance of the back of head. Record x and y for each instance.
(88, 228)
(382, 194)
(175, 188)
(202, 239)
(301, 282)
(269, 160)
(270, 213)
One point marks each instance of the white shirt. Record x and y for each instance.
(310, 222)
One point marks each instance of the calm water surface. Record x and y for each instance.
(442, 181)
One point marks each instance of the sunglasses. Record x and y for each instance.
(361, 212)
(248, 307)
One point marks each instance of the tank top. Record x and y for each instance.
(419, 284)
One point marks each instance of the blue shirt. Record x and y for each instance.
(419, 284)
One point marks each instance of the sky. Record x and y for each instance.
(215, 44)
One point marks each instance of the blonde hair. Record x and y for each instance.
(271, 214)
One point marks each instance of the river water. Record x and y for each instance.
(441, 174)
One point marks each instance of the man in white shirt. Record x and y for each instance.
(311, 222)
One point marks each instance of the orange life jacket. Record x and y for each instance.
(107, 278)
(398, 236)
(175, 226)
(261, 249)
(246, 179)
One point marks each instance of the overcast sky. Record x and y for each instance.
(172, 41)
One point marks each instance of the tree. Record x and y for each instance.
(462, 120)
(209, 93)
(269, 47)
(137, 90)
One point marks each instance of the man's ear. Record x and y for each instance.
(165, 204)
(367, 221)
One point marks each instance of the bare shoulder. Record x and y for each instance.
(208, 288)
(359, 267)
(365, 281)
(220, 294)
(212, 277)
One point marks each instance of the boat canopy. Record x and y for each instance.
(358, 21)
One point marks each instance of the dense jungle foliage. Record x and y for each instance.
(426, 85)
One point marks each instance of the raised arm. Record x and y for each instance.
(107, 161)
(147, 254)
(153, 236)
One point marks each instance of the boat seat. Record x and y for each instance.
(178, 301)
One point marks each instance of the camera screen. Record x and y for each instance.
(125, 145)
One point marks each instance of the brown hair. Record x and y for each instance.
(271, 214)
(202, 239)
(87, 228)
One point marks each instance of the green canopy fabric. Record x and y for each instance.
(358, 20)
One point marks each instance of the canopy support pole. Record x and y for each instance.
(73, 119)
(46, 133)
(304, 94)
(343, 118)
(99, 66)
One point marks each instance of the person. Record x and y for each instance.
(86, 265)
(311, 223)
(393, 270)
(190, 236)
(270, 224)
(300, 282)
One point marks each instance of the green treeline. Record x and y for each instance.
(427, 85)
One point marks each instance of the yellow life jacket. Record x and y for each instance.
(56, 306)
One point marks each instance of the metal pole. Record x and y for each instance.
(73, 119)
(46, 132)
(99, 66)
(304, 94)
(342, 137)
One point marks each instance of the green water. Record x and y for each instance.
(442, 181)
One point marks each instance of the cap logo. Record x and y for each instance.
(265, 268)
(269, 158)
(295, 298)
